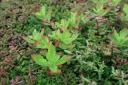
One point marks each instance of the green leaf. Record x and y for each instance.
(123, 33)
(63, 24)
(120, 38)
(49, 14)
(51, 55)
(72, 20)
(100, 11)
(41, 14)
(40, 60)
(115, 2)
(38, 39)
(68, 37)
(125, 9)
(36, 35)
(62, 60)
(115, 36)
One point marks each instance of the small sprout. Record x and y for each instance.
(73, 20)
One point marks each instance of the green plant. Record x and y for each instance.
(121, 38)
(115, 2)
(63, 24)
(78, 28)
(38, 39)
(125, 10)
(65, 37)
(45, 13)
(99, 10)
(52, 60)
(73, 20)
(99, 7)
(41, 14)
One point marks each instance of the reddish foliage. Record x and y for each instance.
(120, 62)
(2, 72)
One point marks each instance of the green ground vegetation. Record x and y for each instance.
(63, 42)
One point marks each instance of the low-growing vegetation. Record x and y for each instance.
(64, 42)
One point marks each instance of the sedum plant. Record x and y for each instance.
(100, 11)
(73, 20)
(125, 10)
(62, 24)
(41, 14)
(99, 8)
(121, 38)
(45, 13)
(65, 37)
(38, 39)
(51, 60)
(115, 2)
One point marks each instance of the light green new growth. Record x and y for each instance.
(38, 39)
(121, 38)
(115, 2)
(62, 24)
(73, 20)
(65, 37)
(52, 60)
(99, 10)
(42, 13)
(125, 9)
(45, 13)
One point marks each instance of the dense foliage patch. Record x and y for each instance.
(64, 42)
